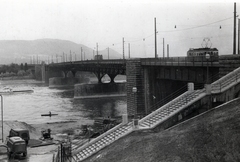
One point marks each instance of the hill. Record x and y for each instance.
(21, 51)
(212, 136)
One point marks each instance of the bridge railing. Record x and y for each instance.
(188, 61)
(226, 81)
(112, 61)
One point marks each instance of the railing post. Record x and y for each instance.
(2, 115)
(220, 86)
(236, 76)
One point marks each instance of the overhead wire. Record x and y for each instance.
(198, 26)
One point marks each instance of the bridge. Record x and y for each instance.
(118, 66)
(160, 91)
(149, 80)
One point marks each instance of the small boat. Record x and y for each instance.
(49, 114)
(22, 91)
(10, 91)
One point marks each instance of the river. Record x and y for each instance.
(28, 107)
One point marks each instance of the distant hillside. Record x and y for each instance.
(21, 51)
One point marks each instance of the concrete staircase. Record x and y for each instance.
(226, 81)
(170, 109)
(155, 118)
(102, 141)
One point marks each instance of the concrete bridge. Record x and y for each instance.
(150, 80)
(98, 67)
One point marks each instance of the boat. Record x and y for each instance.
(22, 91)
(49, 114)
(10, 91)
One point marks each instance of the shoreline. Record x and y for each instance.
(60, 131)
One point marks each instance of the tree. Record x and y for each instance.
(21, 66)
(25, 67)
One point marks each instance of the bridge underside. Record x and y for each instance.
(99, 70)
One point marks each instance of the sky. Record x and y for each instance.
(182, 24)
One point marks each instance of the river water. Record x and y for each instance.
(28, 107)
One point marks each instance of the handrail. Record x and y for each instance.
(201, 95)
(169, 97)
(161, 108)
(99, 137)
(231, 78)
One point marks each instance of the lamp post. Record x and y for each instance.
(207, 58)
(2, 114)
(134, 90)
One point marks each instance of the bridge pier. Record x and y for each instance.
(135, 100)
(112, 76)
(99, 75)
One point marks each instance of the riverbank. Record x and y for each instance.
(59, 132)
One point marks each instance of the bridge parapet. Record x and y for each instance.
(181, 61)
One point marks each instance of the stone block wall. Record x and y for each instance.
(135, 100)
(62, 82)
(228, 63)
(99, 90)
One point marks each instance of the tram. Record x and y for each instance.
(202, 52)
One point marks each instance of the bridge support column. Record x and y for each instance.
(65, 74)
(208, 88)
(112, 76)
(190, 87)
(135, 100)
(99, 75)
(74, 73)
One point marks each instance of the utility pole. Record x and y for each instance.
(70, 56)
(123, 49)
(81, 53)
(108, 53)
(163, 49)
(97, 51)
(238, 36)
(234, 30)
(155, 33)
(167, 50)
(93, 54)
(128, 50)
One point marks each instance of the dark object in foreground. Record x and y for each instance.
(16, 146)
(46, 134)
(23, 133)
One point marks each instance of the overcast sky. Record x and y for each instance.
(106, 22)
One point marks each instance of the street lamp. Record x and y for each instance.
(134, 90)
(2, 114)
(207, 58)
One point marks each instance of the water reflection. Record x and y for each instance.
(101, 107)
